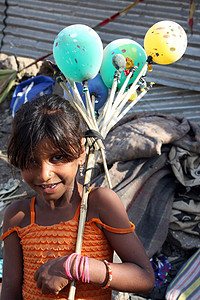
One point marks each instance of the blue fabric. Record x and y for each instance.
(161, 267)
(1, 268)
(31, 89)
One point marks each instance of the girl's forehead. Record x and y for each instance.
(45, 147)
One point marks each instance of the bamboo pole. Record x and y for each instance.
(114, 113)
(91, 124)
(109, 103)
(119, 63)
(119, 116)
(121, 91)
(83, 212)
(91, 110)
(131, 90)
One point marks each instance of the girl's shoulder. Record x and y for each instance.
(103, 200)
(17, 214)
(103, 194)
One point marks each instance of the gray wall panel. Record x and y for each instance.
(33, 25)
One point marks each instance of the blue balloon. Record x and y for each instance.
(96, 87)
(78, 52)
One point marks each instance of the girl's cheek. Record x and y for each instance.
(26, 175)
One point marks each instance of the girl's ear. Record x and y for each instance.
(83, 153)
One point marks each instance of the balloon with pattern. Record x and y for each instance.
(134, 54)
(165, 42)
(78, 52)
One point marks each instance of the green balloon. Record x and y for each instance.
(78, 52)
(134, 54)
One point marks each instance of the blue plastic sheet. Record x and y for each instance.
(31, 89)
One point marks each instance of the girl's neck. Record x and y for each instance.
(46, 215)
(68, 199)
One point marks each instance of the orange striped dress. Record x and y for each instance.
(42, 243)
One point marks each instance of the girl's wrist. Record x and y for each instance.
(77, 267)
(108, 279)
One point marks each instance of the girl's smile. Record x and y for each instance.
(50, 188)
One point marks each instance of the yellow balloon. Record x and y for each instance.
(165, 42)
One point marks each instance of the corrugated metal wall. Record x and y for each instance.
(171, 101)
(28, 28)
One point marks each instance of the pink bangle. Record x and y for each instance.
(67, 269)
(83, 270)
(109, 272)
(81, 266)
(87, 273)
(77, 258)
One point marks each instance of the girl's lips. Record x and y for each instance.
(49, 188)
(45, 186)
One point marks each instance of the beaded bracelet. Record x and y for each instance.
(109, 271)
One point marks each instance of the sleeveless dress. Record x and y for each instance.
(42, 243)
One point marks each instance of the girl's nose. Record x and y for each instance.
(46, 171)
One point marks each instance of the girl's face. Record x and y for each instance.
(49, 174)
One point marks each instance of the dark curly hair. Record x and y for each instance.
(48, 116)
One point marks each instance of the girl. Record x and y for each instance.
(47, 145)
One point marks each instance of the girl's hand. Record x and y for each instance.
(51, 277)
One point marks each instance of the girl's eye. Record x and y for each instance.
(32, 161)
(57, 158)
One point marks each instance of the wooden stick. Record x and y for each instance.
(119, 95)
(92, 113)
(106, 168)
(83, 213)
(77, 96)
(126, 98)
(132, 88)
(24, 194)
(91, 126)
(65, 87)
(91, 122)
(115, 120)
(90, 107)
(3, 156)
(119, 62)
(93, 98)
(114, 113)
(107, 107)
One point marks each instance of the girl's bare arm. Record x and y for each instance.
(135, 274)
(12, 261)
